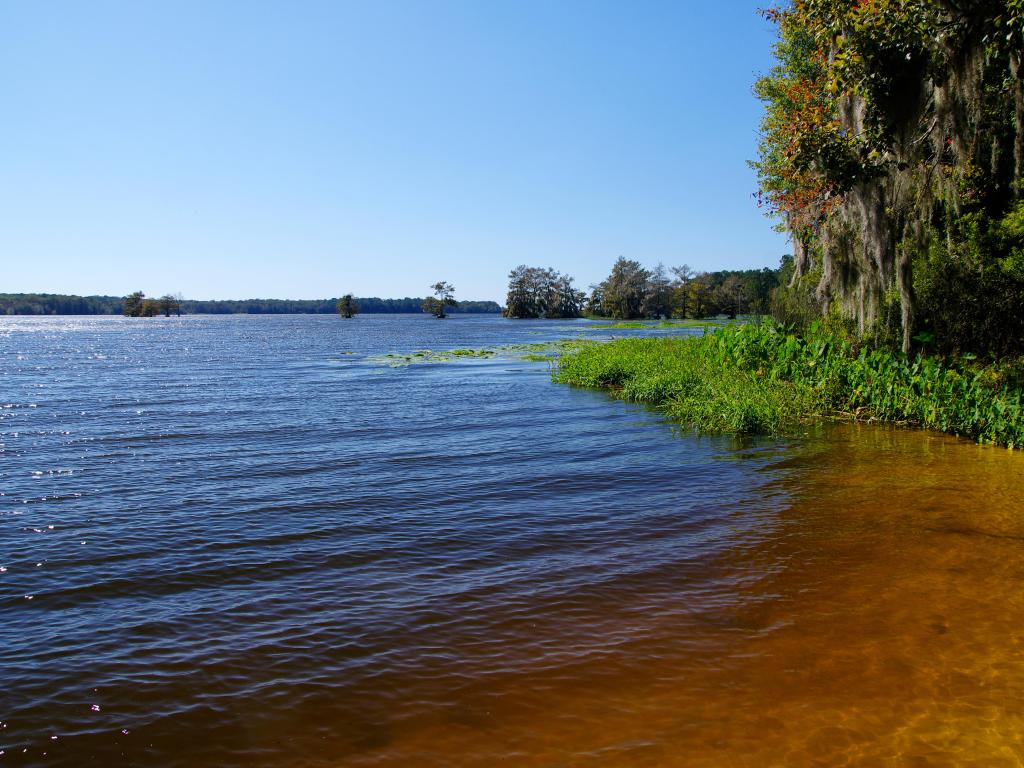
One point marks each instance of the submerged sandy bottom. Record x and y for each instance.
(881, 623)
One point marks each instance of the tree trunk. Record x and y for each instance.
(1018, 118)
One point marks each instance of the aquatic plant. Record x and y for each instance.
(546, 351)
(639, 324)
(761, 379)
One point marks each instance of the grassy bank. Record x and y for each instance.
(756, 379)
(639, 324)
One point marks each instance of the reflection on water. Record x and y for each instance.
(242, 548)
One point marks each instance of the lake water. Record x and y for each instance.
(249, 540)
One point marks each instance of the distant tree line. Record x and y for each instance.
(57, 304)
(632, 291)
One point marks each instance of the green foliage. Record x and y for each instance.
(794, 303)
(539, 352)
(640, 324)
(535, 292)
(692, 380)
(624, 290)
(631, 292)
(347, 306)
(133, 304)
(137, 305)
(970, 286)
(892, 151)
(170, 303)
(444, 296)
(761, 379)
(60, 304)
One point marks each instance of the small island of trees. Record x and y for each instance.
(137, 305)
(347, 306)
(537, 292)
(444, 296)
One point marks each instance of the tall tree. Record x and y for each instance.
(624, 290)
(521, 300)
(892, 151)
(658, 295)
(732, 295)
(347, 306)
(133, 304)
(681, 288)
(444, 296)
(170, 303)
(538, 292)
(701, 290)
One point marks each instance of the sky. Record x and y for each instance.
(306, 149)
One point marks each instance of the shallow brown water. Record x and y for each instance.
(247, 542)
(882, 624)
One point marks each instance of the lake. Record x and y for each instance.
(256, 540)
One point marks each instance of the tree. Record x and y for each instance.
(892, 147)
(170, 303)
(347, 306)
(444, 296)
(595, 304)
(658, 296)
(732, 295)
(624, 290)
(132, 306)
(522, 299)
(537, 292)
(569, 301)
(700, 294)
(681, 288)
(150, 308)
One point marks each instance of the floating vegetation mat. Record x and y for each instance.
(547, 351)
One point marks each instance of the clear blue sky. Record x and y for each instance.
(237, 149)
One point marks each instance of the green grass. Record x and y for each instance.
(757, 379)
(640, 324)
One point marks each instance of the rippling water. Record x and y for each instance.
(247, 541)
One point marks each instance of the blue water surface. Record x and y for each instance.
(223, 536)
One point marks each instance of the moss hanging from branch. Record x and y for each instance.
(887, 122)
